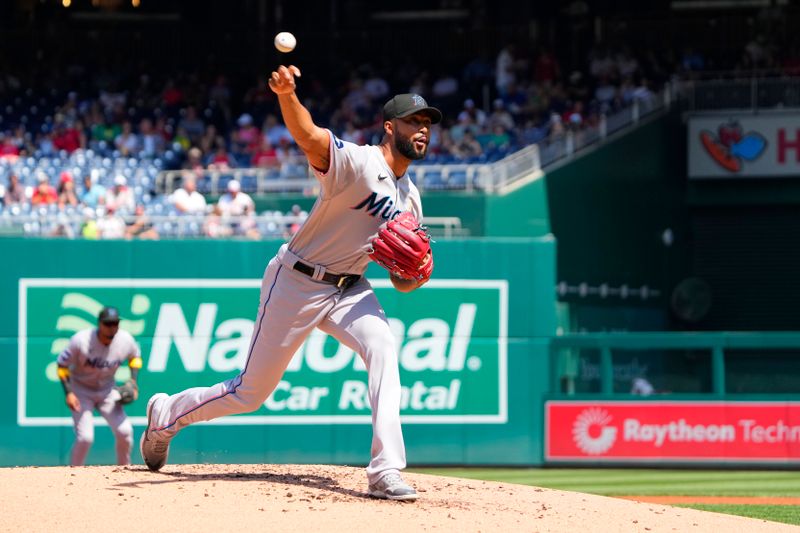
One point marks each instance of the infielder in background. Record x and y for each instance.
(86, 369)
(315, 281)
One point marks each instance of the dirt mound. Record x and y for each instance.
(316, 498)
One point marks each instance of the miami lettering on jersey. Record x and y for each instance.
(101, 363)
(373, 206)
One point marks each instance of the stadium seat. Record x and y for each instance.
(457, 179)
(249, 183)
(433, 179)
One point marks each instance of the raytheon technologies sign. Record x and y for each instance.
(672, 431)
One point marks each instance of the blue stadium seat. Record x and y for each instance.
(249, 183)
(222, 184)
(433, 179)
(457, 179)
(204, 184)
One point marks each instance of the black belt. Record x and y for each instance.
(341, 281)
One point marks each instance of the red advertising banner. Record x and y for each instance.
(639, 431)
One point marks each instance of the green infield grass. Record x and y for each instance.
(656, 482)
(788, 514)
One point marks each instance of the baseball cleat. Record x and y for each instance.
(154, 452)
(392, 487)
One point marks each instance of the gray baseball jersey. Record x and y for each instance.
(92, 367)
(92, 364)
(359, 192)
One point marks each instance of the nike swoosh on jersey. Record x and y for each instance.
(381, 177)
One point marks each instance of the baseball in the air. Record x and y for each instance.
(285, 41)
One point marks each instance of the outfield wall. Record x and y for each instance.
(473, 349)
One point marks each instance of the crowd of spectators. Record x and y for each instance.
(501, 105)
(492, 106)
(93, 211)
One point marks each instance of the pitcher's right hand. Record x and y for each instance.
(282, 81)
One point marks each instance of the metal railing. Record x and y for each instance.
(446, 227)
(717, 343)
(290, 176)
(168, 226)
(750, 93)
(269, 225)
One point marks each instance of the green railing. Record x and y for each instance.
(718, 343)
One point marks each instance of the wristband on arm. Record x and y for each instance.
(63, 374)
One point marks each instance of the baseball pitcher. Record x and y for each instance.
(86, 369)
(368, 209)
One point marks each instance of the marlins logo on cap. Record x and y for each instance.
(404, 105)
(108, 315)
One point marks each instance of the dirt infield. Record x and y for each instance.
(197, 498)
(736, 500)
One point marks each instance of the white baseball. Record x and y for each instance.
(285, 41)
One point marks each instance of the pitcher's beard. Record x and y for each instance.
(407, 150)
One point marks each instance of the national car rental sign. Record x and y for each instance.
(671, 431)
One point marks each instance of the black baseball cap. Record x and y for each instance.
(108, 315)
(403, 105)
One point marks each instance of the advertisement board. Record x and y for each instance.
(744, 145)
(451, 341)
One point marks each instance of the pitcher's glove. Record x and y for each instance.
(128, 392)
(403, 247)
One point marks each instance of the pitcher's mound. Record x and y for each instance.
(196, 498)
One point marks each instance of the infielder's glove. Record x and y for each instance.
(128, 392)
(403, 247)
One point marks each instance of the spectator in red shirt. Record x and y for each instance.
(265, 156)
(573, 116)
(545, 68)
(220, 160)
(69, 138)
(8, 150)
(44, 193)
(172, 96)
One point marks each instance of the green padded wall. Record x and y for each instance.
(473, 350)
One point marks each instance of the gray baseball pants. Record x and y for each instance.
(105, 401)
(292, 304)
